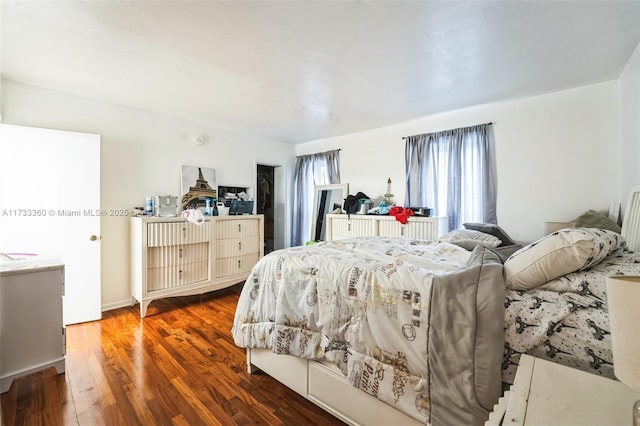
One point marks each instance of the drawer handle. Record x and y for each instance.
(180, 253)
(402, 230)
(184, 232)
(349, 226)
(239, 264)
(180, 274)
(239, 228)
(239, 245)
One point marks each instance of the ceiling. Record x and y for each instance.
(296, 71)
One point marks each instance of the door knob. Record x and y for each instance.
(93, 238)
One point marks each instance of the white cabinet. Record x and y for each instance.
(31, 330)
(341, 226)
(172, 257)
(550, 394)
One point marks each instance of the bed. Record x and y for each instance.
(399, 331)
(382, 312)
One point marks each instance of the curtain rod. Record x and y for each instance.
(488, 124)
(315, 153)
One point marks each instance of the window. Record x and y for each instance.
(311, 170)
(453, 173)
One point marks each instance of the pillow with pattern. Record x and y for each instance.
(560, 253)
(469, 239)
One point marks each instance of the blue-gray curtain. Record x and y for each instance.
(311, 170)
(453, 172)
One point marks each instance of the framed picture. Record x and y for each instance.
(197, 184)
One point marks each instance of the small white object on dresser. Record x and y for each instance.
(31, 330)
(549, 394)
(172, 257)
(341, 226)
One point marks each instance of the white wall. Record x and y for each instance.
(557, 155)
(629, 82)
(142, 153)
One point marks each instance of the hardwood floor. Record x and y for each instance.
(177, 366)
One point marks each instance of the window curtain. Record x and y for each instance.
(453, 172)
(311, 170)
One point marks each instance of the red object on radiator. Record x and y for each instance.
(401, 213)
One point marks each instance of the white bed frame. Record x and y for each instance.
(631, 219)
(324, 385)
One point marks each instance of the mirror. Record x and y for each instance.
(327, 198)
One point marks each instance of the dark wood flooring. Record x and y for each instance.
(177, 366)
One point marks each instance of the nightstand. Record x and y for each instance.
(545, 393)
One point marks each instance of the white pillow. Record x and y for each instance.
(557, 254)
(469, 239)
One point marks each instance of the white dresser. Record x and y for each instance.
(340, 226)
(172, 257)
(32, 334)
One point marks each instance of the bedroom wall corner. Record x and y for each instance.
(547, 149)
(629, 89)
(141, 154)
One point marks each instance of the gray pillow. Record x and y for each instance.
(594, 219)
(491, 229)
(469, 239)
(504, 252)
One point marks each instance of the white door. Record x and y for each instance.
(49, 205)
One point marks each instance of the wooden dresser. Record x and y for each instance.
(341, 226)
(172, 257)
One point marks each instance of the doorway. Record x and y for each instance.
(265, 185)
(50, 206)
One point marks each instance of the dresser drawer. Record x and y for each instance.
(341, 226)
(423, 228)
(158, 257)
(345, 227)
(237, 247)
(328, 386)
(176, 276)
(176, 233)
(238, 228)
(236, 265)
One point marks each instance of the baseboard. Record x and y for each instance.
(116, 305)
